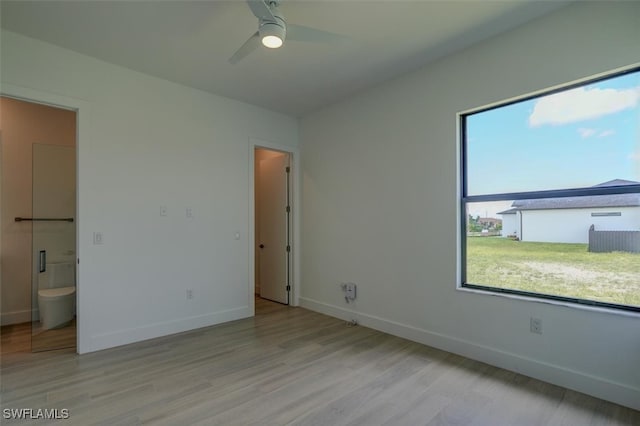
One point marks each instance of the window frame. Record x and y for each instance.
(465, 199)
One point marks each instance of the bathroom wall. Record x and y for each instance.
(22, 125)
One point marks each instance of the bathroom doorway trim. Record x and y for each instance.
(82, 109)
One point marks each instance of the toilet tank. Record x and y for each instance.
(61, 274)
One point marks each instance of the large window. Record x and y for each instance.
(551, 194)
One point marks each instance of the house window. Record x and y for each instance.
(550, 194)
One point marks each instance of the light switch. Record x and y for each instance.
(97, 238)
(163, 210)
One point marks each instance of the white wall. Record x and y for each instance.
(510, 225)
(151, 143)
(380, 207)
(572, 225)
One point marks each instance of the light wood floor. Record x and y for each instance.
(289, 366)
(15, 338)
(22, 338)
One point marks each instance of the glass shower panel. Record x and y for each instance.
(53, 281)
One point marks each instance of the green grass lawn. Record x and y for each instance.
(554, 268)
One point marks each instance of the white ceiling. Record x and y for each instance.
(190, 42)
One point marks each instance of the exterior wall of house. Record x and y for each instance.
(572, 225)
(510, 225)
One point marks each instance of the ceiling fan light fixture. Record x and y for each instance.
(271, 41)
(272, 35)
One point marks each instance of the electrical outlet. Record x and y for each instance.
(535, 325)
(350, 291)
(189, 294)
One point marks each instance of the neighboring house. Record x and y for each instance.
(567, 220)
(489, 223)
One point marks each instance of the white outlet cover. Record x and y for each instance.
(350, 291)
(97, 238)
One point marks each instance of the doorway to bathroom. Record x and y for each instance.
(38, 226)
(273, 225)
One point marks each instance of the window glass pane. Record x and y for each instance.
(547, 246)
(570, 139)
(584, 248)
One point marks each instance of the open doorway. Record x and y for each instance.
(38, 226)
(273, 206)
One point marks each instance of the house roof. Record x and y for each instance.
(489, 219)
(617, 200)
(616, 182)
(592, 201)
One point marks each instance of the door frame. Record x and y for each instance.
(295, 176)
(82, 110)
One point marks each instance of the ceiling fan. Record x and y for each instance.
(273, 30)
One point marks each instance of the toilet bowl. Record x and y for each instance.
(57, 295)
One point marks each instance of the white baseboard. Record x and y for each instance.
(102, 341)
(618, 393)
(16, 317)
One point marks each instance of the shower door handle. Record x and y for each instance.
(42, 262)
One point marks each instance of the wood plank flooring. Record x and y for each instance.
(289, 366)
(15, 338)
(21, 338)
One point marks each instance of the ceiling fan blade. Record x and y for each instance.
(313, 35)
(262, 10)
(249, 46)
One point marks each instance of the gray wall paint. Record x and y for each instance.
(380, 206)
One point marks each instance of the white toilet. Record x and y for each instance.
(57, 295)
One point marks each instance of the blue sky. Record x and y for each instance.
(570, 139)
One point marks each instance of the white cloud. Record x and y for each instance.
(586, 132)
(582, 104)
(634, 156)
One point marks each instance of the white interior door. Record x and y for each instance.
(272, 237)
